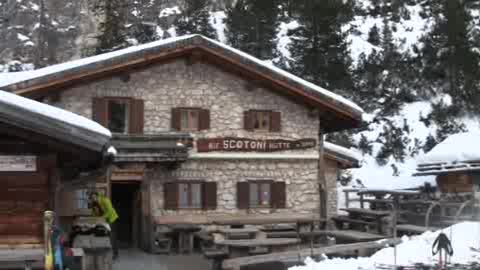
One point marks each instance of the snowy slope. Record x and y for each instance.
(417, 249)
(406, 33)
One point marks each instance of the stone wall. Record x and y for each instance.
(300, 177)
(227, 96)
(331, 175)
(176, 84)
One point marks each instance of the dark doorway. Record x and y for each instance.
(125, 200)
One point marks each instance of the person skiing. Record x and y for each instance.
(102, 207)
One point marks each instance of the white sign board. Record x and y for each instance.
(18, 163)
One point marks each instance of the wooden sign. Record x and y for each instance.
(127, 175)
(18, 163)
(249, 145)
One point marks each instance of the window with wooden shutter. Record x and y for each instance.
(204, 120)
(275, 122)
(170, 194)
(190, 119)
(279, 195)
(248, 120)
(136, 116)
(100, 111)
(255, 120)
(175, 119)
(210, 195)
(243, 198)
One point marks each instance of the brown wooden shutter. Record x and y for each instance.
(210, 195)
(136, 116)
(279, 198)
(248, 120)
(170, 194)
(176, 118)
(204, 118)
(100, 111)
(243, 195)
(275, 121)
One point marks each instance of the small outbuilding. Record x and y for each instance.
(455, 162)
(41, 149)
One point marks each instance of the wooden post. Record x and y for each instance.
(47, 228)
(361, 201)
(323, 196)
(347, 198)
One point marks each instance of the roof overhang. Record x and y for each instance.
(335, 112)
(167, 147)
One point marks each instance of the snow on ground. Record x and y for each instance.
(417, 249)
(283, 40)
(217, 20)
(372, 175)
(52, 112)
(455, 148)
(169, 11)
(406, 33)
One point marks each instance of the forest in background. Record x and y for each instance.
(413, 65)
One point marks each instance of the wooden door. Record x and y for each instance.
(23, 199)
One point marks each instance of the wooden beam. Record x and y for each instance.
(236, 263)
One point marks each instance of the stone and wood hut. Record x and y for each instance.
(204, 133)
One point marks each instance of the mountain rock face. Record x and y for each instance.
(413, 65)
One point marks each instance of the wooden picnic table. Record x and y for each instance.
(361, 214)
(259, 242)
(185, 236)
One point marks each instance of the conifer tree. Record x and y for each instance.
(450, 63)
(195, 19)
(252, 26)
(319, 47)
(113, 34)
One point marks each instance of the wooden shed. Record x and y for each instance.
(455, 162)
(40, 147)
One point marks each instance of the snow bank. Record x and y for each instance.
(456, 148)
(217, 20)
(418, 249)
(52, 112)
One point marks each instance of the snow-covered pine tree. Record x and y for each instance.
(195, 19)
(252, 26)
(113, 35)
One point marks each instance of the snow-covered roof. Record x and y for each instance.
(52, 112)
(458, 152)
(26, 83)
(343, 153)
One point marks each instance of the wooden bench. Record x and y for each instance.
(24, 258)
(341, 220)
(351, 235)
(287, 234)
